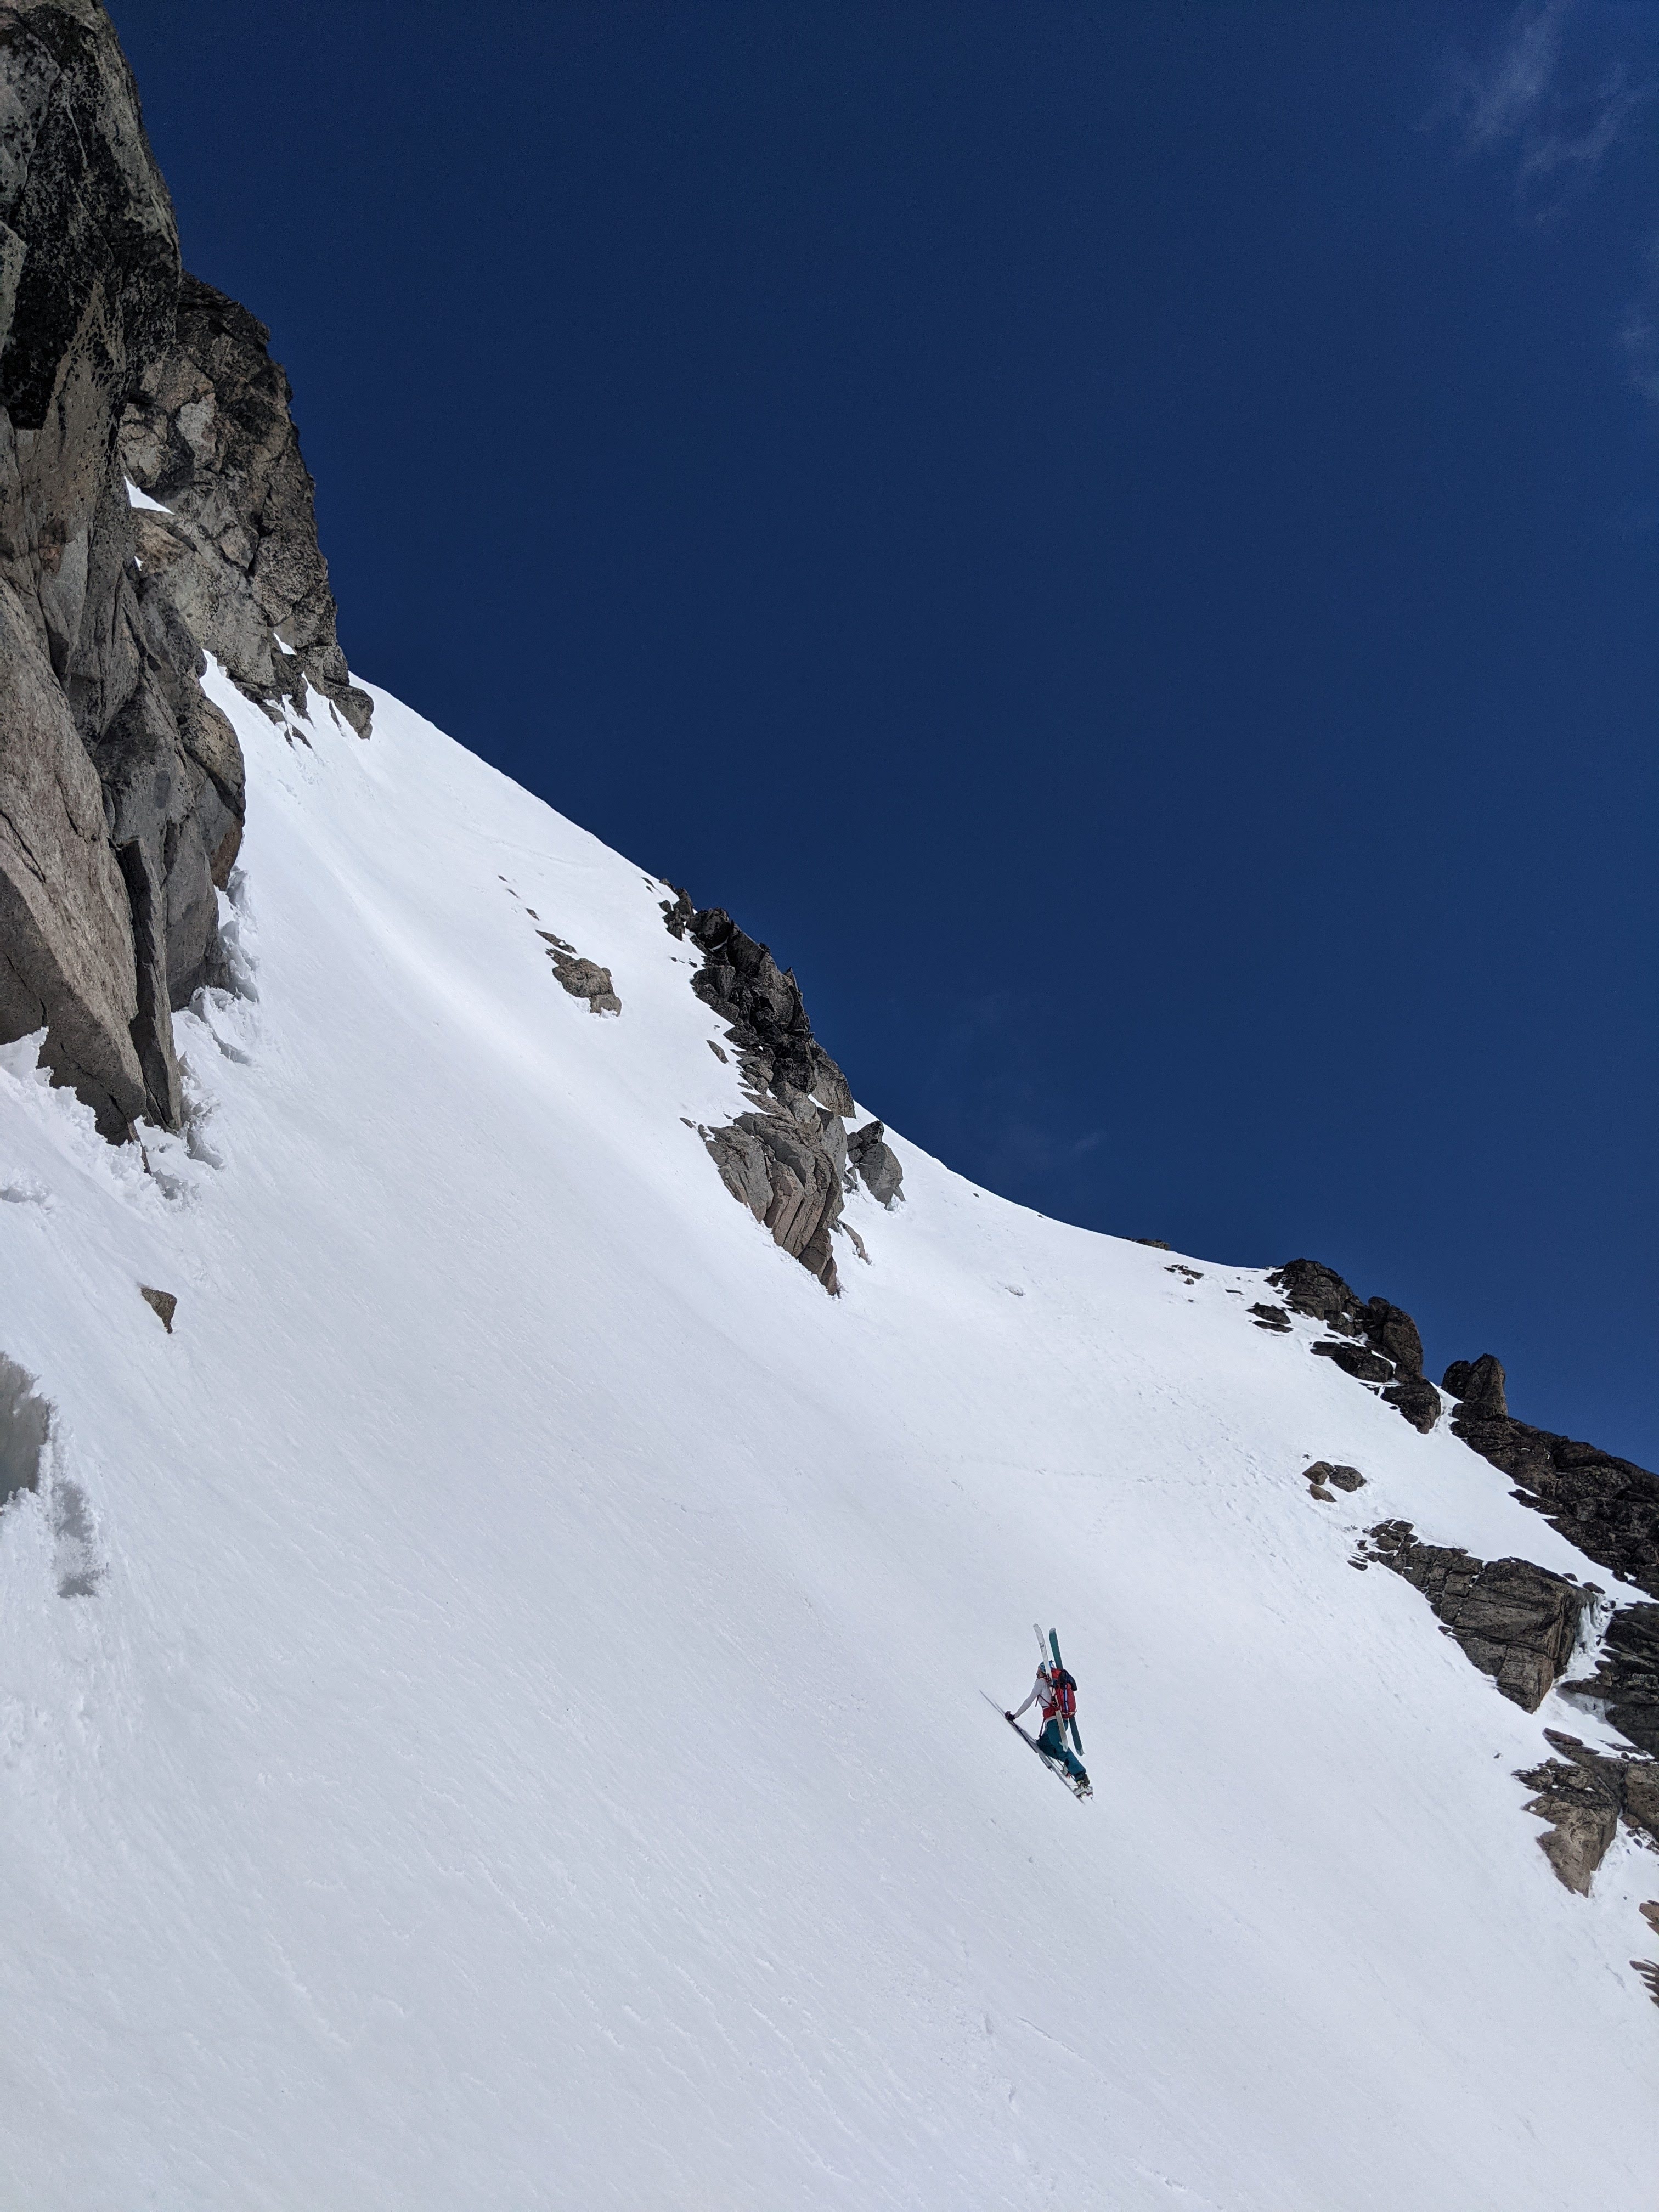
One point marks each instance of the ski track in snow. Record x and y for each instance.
(522, 1742)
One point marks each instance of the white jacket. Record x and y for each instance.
(1044, 1692)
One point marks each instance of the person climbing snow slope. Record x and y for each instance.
(1056, 1693)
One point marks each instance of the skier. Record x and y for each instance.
(1055, 1690)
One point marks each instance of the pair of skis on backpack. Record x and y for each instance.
(1078, 1790)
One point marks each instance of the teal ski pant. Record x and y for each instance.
(1052, 1740)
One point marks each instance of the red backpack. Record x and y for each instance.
(1063, 1690)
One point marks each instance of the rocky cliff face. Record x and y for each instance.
(1608, 1507)
(209, 438)
(1517, 1622)
(121, 785)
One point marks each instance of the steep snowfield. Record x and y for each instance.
(527, 1742)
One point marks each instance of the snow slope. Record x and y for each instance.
(526, 1743)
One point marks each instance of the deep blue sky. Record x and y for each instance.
(1122, 539)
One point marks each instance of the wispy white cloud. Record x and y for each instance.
(1639, 334)
(1550, 101)
(1553, 149)
(1530, 100)
(1499, 101)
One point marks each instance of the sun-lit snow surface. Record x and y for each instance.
(529, 1746)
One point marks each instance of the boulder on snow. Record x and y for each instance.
(161, 1303)
(586, 979)
(1273, 1317)
(1338, 1477)
(873, 1159)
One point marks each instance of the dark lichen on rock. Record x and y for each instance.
(1517, 1622)
(1370, 1340)
(1608, 1507)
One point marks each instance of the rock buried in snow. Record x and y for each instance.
(1338, 1477)
(163, 1303)
(583, 979)
(1273, 1317)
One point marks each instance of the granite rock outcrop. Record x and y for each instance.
(1583, 1794)
(1370, 1340)
(1514, 1621)
(89, 274)
(1624, 1687)
(121, 794)
(210, 437)
(790, 1160)
(1608, 1507)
